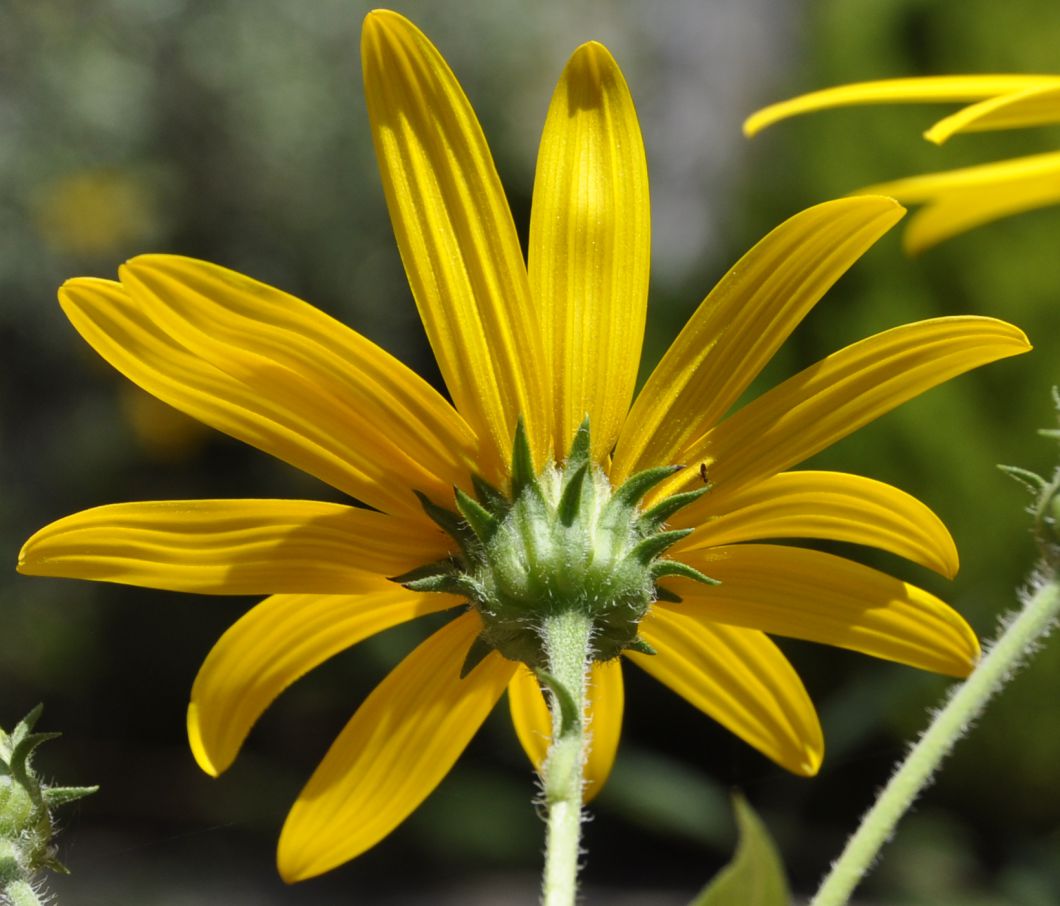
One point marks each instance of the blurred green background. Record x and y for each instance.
(237, 132)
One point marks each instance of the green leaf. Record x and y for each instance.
(755, 876)
(568, 710)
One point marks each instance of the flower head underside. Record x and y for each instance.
(537, 467)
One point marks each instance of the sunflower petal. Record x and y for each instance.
(456, 237)
(932, 186)
(530, 715)
(1036, 106)
(275, 643)
(819, 597)
(743, 321)
(533, 722)
(830, 505)
(926, 90)
(295, 430)
(959, 200)
(739, 678)
(590, 248)
(281, 346)
(393, 752)
(607, 699)
(231, 547)
(838, 395)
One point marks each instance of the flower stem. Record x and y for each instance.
(998, 665)
(567, 638)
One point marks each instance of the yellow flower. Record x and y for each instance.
(538, 345)
(964, 198)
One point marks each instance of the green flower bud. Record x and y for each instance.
(562, 540)
(27, 828)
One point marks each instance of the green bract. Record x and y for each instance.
(26, 825)
(562, 540)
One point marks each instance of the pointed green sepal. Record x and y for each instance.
(491, 498)
(636, 486)
(661, 568)
(449, 521)
(441, 576)
(482, 522)
(1031, 480)
(652, 546)
(59, 795)
(523, 473)
(653, 519)
(570, 501)
(479, 650)
(664, 594)
(568, 710)
(20, 758)
(437, 568)
(579, 448)
(640, 646)
(53, 864)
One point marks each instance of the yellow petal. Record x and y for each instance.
(927, 90)
(300, 429)
(590, 248)
(275, 643)
(530, 715)
(393, 752)
(830, 505)
(1035, 106)
(607, 699)
(739, 678)
(533, 722)
(231, 547)
(456, 237)
(959, 213)
(1010, 172)
(823, 598)
(283, 347)
(743, 321)
(961, 199)
(842, 392)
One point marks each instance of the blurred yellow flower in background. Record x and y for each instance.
(96, 212)
(542, 343)
(960, 199)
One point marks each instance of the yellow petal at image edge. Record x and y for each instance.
(927, 90)
(394, 751)
(959, 200)
(1036, 106)
(276, 642)
(231, 547)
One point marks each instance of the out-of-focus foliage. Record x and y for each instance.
(236, 132)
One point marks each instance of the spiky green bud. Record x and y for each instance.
(562, 539)
(27, 828)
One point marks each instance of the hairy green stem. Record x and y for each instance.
(567, 639)
(1013, 644)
